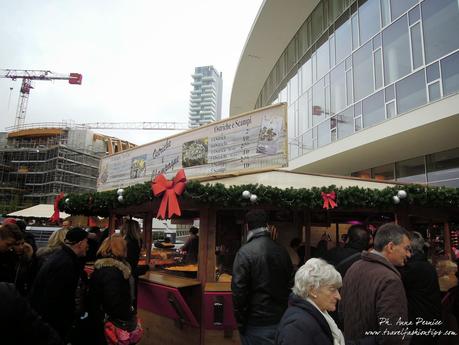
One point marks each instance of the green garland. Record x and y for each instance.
(100, 203)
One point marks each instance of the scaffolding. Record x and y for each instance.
(36, 166)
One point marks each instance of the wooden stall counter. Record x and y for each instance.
(169, 280)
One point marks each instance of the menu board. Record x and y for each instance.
(252, 140)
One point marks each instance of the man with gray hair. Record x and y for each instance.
(373, 298)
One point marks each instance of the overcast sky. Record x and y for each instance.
(136, 57)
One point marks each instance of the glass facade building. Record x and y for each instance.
(355, 64)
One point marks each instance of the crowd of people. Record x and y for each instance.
(388, 294)
(49, 298)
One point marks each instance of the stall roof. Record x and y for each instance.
(38, 211)
(286, 179)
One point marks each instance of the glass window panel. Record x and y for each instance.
(433, 72)
(291, 55)
(385, 12)
(336, 7)
(373, 109)
(306, 76)
(358, 123)
(323, 60)
(332, 51)
(323, 131)
(348, 63)
(338, 89)
(416, 45)
(377, 41)
(349, 88)
(343, 41)
(362, 61)
(443, 165)
(358, 109)
(355, 32)
(411, 170)
(303, 43)
(362, 174)
(345, 123)
(398, 7)
(384, 172)
(368, 18)
(411, 92)
(317, 21)
(450, 74)
(414, 15)
(434, 91)
(327, 99)
(390, 93)
(440, 26)
(303, 113)
(390, 110)
(378, 69)
(396, 49)
(318, 102)
(293, 89)
(314, 67)
(291, 121)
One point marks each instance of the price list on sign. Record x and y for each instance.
(250, 141)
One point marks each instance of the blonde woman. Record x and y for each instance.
(55, 242)
(131, 233)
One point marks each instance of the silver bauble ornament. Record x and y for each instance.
(396, 199)
(120, 198)
(120, 191)
(401, 194)
(253, 198)
(67, 200)
(246, 194)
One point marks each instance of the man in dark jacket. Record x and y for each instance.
(373, 297)
(262, 278)
(54, 289)
(422, 291)
(343, 257)
(20, 324)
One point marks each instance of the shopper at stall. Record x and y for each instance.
(131, 233)
(422, 291)
(111, 292)
(54, 290)
(373, 297)
(55, 243)
(262, 278)
(191, 246)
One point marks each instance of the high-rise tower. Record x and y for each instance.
(206, 96)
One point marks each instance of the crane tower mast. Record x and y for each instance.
(27, 77)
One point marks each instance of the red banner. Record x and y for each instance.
(55, 217)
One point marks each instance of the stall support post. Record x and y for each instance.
(147, 236)
(447, 237)
(112, 223)
(402, 217)
(307, 234)
(207, 241)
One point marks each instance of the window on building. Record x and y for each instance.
(383, 172)
(323, 58)
(362, 174)
(373, 109)
(323, 131)
(398, 7)
(317, 20)
(368, 19)
(440, 26)
(443, 165)
(450, 74)
(338, 89)
(411, 170)
(318, 102)
(345, 123)
(306, 76)
(362, 61)
(396, 49)
(411, 92)
(343, 38)
(385, 12)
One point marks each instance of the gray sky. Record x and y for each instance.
(136, 57)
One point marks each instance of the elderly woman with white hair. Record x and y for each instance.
(315, 293)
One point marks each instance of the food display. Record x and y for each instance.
(184, 268)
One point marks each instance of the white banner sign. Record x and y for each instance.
(253, 140)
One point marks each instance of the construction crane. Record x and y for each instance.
(27, 76)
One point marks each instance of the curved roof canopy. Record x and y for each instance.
(274, 27)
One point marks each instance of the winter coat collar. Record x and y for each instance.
(301, 303)
(110, 262)
(255, 233)
(380, 259)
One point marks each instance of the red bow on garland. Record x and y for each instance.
(171, 189)
(329, 200)
(55, 217)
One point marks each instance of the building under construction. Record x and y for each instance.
(36, 164)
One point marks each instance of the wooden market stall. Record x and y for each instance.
(195, 307)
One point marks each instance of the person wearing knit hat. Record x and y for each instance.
(54, 290)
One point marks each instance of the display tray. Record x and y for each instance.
(169, 280)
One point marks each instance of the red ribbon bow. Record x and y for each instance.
(329, 200)
(171, 189)
(55, 217)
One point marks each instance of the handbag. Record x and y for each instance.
(118, 332)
